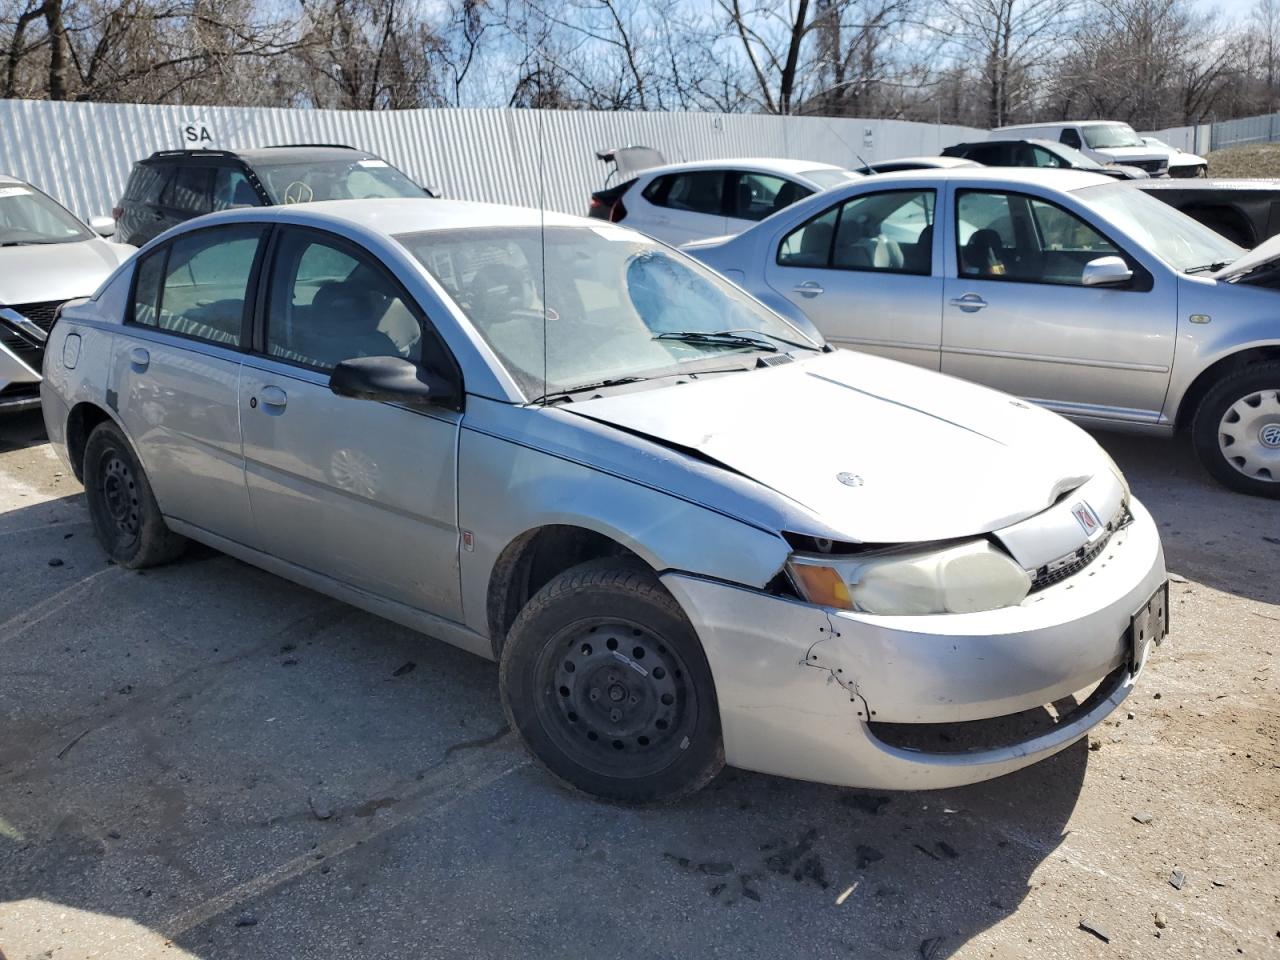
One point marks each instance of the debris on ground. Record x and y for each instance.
(867, 856)
(866, 802)
(1161, 922)
(320, 808)
(246, 920)
(55, 562)
(404, 668)
(1177, 879)
(1143, 818)
(1096, 929)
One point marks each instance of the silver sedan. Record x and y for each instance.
(690, 533)
(1069, 289)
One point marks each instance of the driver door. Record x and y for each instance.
(1017, 317)
(359, 490)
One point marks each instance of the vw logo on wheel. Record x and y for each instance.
(1270, 435)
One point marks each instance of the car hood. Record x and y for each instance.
(1130, 154)
(57, 271)
(880, 451)
(1263, 253)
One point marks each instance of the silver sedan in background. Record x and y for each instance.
(1085, 295)
(690, 534)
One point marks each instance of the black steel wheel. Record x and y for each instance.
(125, 515)
(604, 679)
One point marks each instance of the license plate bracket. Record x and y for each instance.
(1149, 624)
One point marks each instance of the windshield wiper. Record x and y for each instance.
(1208, 267)
(771, 336)
(725, 339)
(559, 396)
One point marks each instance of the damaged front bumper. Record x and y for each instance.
(806, 692)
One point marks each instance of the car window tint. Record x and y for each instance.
(146, 291)
(146, 182)
(205, 279)
(329, 304)
(809, 245)
(1070, 137)
(189, 189)
(990, 154)
(759, 195)
(1015, 237)
(701, 191)
(890, 231)
(1040, 157)
(231, 188)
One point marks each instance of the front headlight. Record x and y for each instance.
(965, 578)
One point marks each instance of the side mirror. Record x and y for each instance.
(103, 226)
(435, 193)
(1105, 272)
(390, 379)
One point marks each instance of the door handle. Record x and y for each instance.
(139, 359)
(273, 398)
(810, 288)
(969, 303)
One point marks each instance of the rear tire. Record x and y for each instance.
(604, 680)
(126, 518)
(1236, 430)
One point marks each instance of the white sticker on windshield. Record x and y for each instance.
(14, 191)
(372, 163)
(616, 233)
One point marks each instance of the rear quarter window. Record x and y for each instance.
(146, 182)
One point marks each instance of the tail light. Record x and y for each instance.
(617, 211)
(598, 209)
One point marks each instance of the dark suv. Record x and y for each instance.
(176, 185)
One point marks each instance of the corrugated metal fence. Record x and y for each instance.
(1235, 133)
(82, 152)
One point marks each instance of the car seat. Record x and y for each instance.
(983, 254)
(343, 323)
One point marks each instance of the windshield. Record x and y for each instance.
(614, 303)
(826, 179)
(1170, 234)
(1107, 135)
(358, 179)
(27, 216)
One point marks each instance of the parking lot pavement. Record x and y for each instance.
(205, 761)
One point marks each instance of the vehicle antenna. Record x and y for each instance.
(542, 241)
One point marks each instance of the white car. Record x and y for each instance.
(47, 256)
(1181, 163)
(680, 202)
(690, 534)
(1105, 141)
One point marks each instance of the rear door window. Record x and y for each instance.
(698, 191)
(147, 181)
(196, 286)
(190, 189)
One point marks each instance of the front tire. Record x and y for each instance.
(604, 680)
(126, 518)
(1236, 430)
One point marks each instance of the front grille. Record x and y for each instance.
(42, 314)
(1070, 565)
(1150, 166)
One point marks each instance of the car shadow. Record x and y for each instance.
(21, 430)
(1225, 540)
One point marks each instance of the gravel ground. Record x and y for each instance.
(204, 761)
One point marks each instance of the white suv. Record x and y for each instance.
(1105, 141)
(677, 203)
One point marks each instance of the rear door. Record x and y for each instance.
(866, 272)
(361, 491)
(1018, 318)
(176, 371)
(141, 218)
(679, 207)
(186, 195)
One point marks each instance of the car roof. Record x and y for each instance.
(391, 216)
(778, 164)
(1059, 179)
(293, 153)
(1059, 123)
(931, 163)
